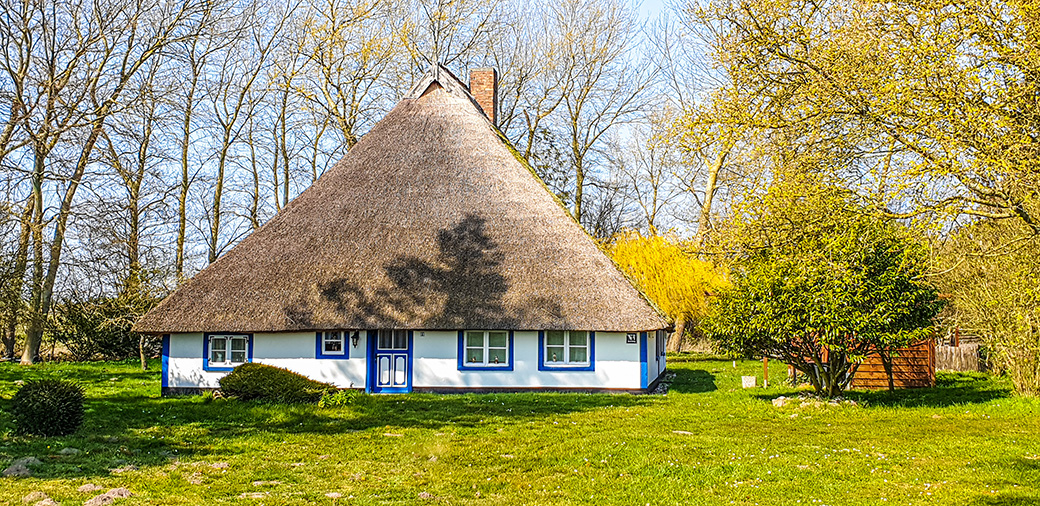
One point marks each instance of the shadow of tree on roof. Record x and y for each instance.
(460, 287)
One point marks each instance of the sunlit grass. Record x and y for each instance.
(968, 441)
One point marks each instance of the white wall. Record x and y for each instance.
(185, 363)
(661, 361)
(435, 364)
(294, 351)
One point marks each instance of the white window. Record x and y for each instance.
(228, 351)
(333, 342)
(566, 348)
(486, 348)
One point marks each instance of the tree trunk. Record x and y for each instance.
(140, 348)
(14, 311)
(218, 195)
(35, 335)
(677, 340)
(182, 197)
(254, 204)
(704, 220)
(886, 362)
(703, 223)
(579, 189)
(135, 278)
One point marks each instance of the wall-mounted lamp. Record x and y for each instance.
(354, 338)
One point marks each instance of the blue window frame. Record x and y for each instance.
(566, 350)
(222, 352)
(485, 350)
(334, 344)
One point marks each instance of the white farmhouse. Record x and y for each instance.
(431, 258)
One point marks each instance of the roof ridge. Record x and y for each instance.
(449, 82)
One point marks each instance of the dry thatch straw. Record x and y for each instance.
(429, 222)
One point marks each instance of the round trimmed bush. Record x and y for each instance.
(269, 383)
(48, 407)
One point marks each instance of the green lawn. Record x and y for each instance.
(966, 442)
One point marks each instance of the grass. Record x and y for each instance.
(968, 441)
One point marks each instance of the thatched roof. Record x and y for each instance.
(429, 222)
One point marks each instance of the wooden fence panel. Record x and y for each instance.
(912, 367)
(957, 358)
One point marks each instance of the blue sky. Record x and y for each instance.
(651, 8)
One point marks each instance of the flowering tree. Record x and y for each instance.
(676, 282)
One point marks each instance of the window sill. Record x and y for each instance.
(221, 367)
(482, 367)
(565, 367)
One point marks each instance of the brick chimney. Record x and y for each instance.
(483, 85)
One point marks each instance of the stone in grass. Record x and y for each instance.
(426, 495)
(219, 465)
(88, 488)
(17, 471)
(48, 502)
(119, 493)
(124, 469)
(260, 483)
(20, 468)
(108, 497)
(333, 495)
(69, 451)
(253, 495)
(34, 497)
(99, 500)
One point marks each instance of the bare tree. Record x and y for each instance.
(348, 48)
(194, 54)
(602, 84)
(239, 69)
(103, 49)
(447, 32)
(647, 158)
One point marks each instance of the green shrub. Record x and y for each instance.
(269, 383)
(338, 398)
(101, 327)
(48, 407)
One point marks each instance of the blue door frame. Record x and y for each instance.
(392, 361)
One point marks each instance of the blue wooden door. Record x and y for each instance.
(390, 367)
